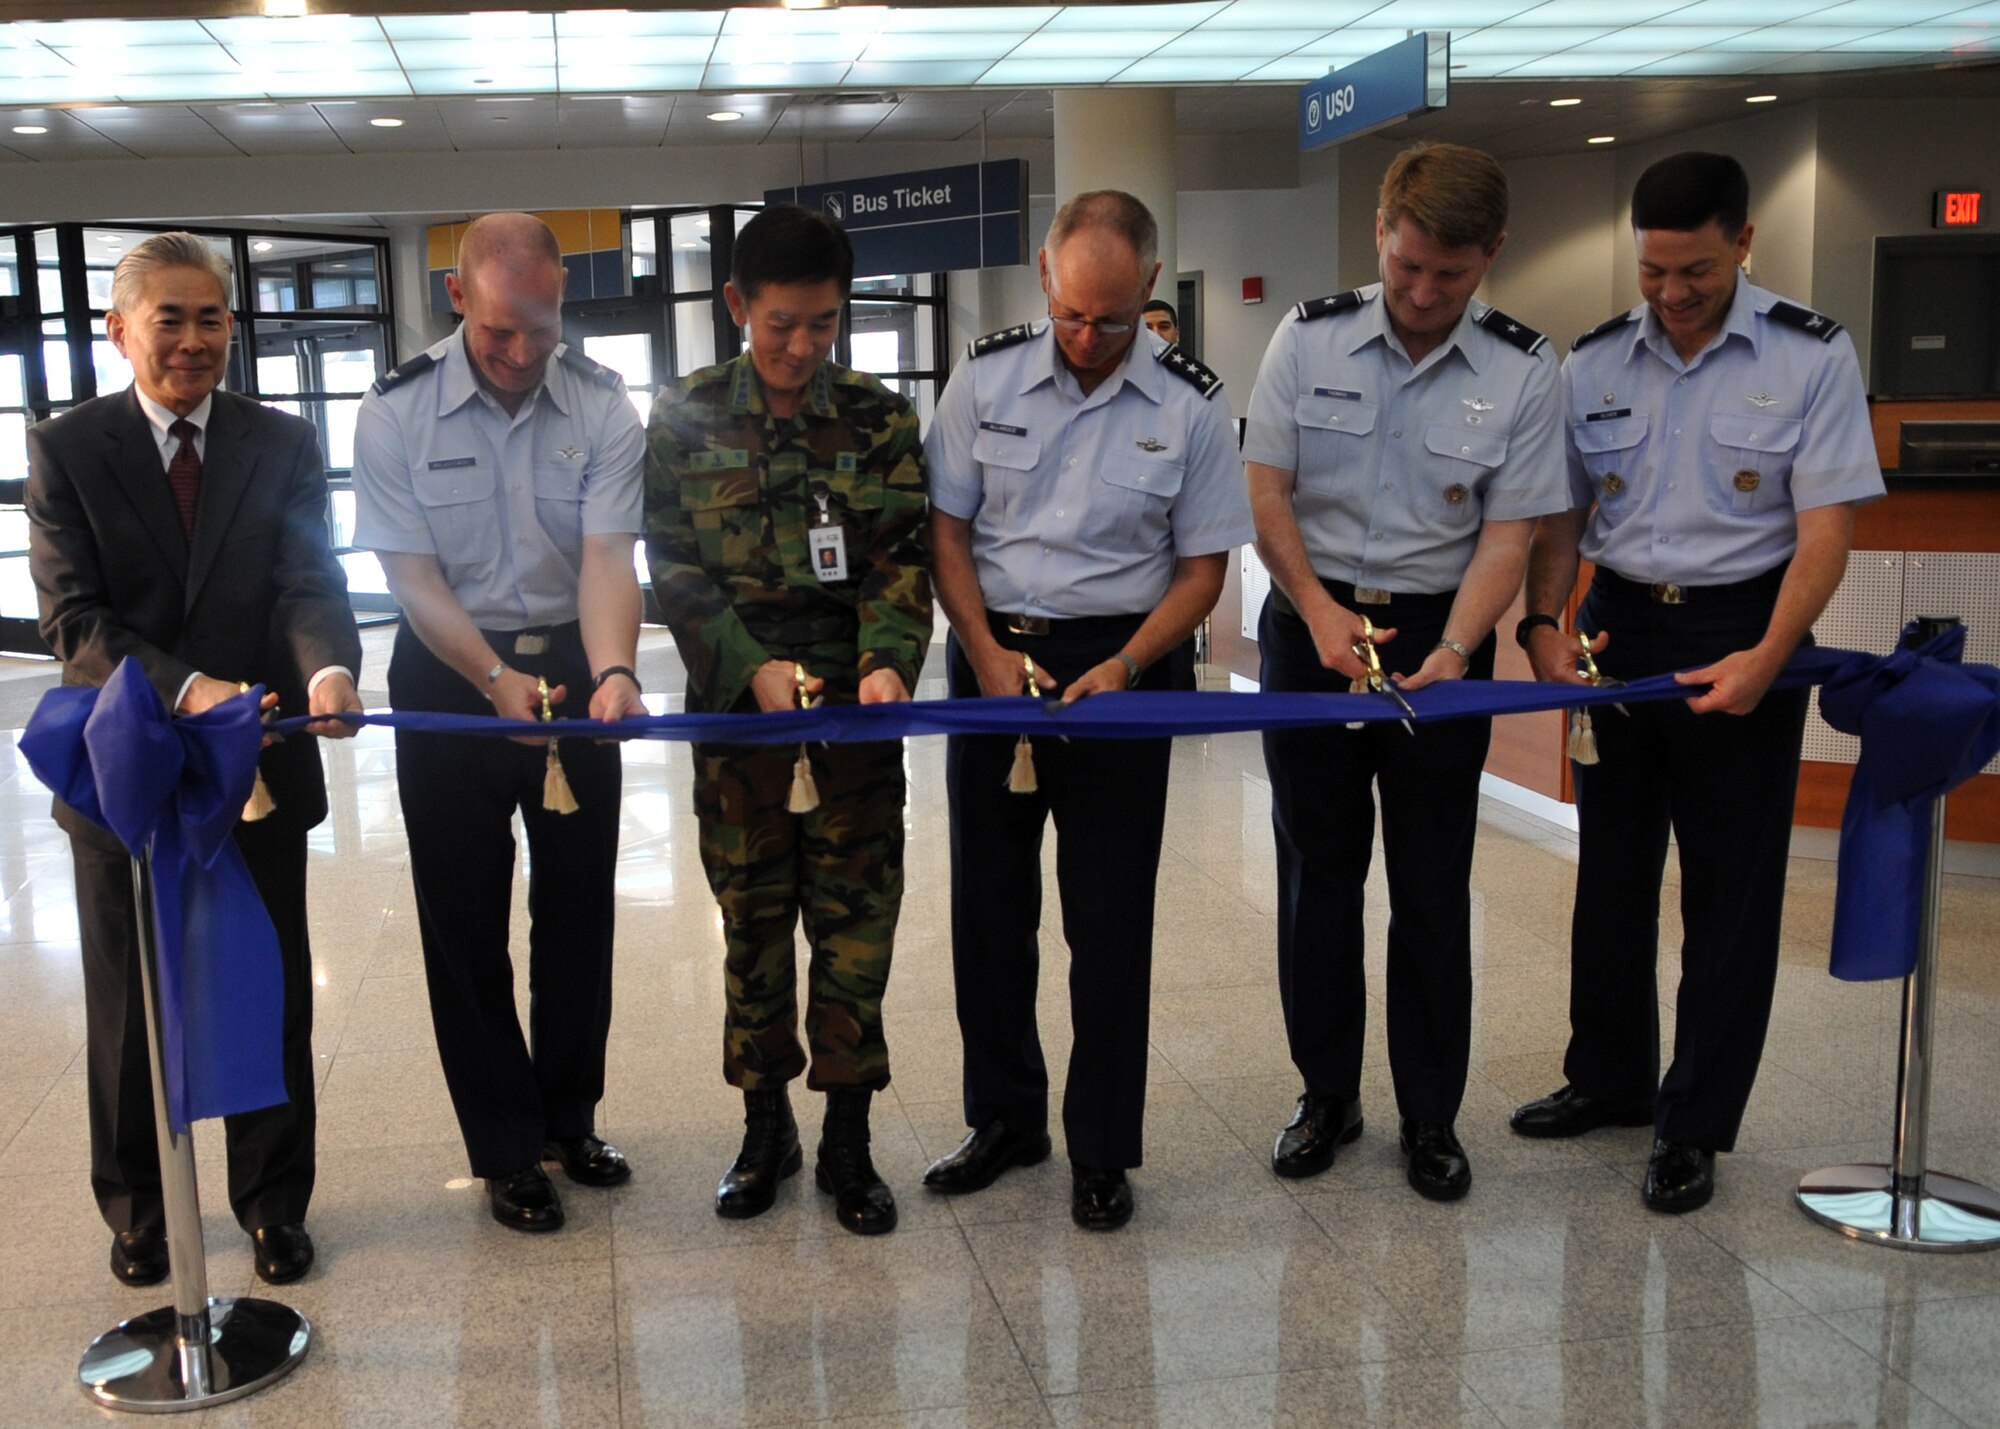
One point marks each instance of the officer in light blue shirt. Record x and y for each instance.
(1718, 444)
(1085, 495)
(498, 477)
(1402, 440)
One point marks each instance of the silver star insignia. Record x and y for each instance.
(1150, 445)
(1513, 327)
(1762, 399)
(570, 453)
(1478, 404)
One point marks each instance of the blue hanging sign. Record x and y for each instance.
(929, 221)
(1410, 77)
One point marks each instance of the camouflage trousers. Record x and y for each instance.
(841, 867)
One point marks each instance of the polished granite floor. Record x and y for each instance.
(1550, 1296)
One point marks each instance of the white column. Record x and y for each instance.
(1122, 139)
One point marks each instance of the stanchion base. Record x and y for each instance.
(1953, 1214)
(137, 1366)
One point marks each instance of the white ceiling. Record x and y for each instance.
(1001, 46)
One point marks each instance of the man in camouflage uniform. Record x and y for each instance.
(785, 525)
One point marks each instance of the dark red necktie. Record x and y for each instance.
(184, 472)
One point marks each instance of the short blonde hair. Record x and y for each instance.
(165, 250)
(1456, 195)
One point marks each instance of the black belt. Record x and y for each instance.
(1081, 627)
(1357, 597)
(534, 640)
(1674, 593)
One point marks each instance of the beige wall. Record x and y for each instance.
(1557, 271)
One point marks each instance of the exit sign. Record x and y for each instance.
(1958, 209)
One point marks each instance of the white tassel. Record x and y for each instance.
(1582, 738)
(1021, 778)
(805, 793)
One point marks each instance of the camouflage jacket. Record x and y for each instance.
(732, 491)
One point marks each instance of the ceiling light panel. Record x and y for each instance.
(1090, 44)
(1353, 41)
(482, 27)
(325, 59)
(629, 25)
(1517, 40)
(199, 59)
(934, 73)
(302, 30)
(1299, 68)
(611, 79)
(788, 49)
(1045, 72)
(1446, 14)
(1752, 12)
(1320, 15)
(488, 79)
(309, 84)
(1256, 44)
(1919, 39)
(1174, 18)
(1592, 12)
(1659, 39)
(774, 76)
(513, 52)
(118, 34)
(588, 52)
(1212, 69)
(980, 45)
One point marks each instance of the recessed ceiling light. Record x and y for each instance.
(31, 128)
(1563, 103)
(690, 244)
(262, 245)
(726, 116)
(1601, 139)
(386, 123)
(110, 238)
(1759, 98)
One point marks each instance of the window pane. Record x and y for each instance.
(318, 355)
(629, 354)
(114, 373)
(364, 573)
(892, 337)
(341, 504)
(337, 427)
(10, 269)
(13, 529)
(17, 589)
(320, 272)
(13, 380)
(645, 248)
(55, 362)
(694, 336)
(103, 247)
(48, 284)
(13, 446)
(692, 271)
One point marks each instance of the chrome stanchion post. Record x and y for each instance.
(198, 1351)
(1905, 1204)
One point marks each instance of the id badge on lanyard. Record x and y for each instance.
(828, 543)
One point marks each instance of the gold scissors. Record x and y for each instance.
(1596, 676)
(1375, 681)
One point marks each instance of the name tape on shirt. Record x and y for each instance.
(1608, 416)
(447, 463)
(1341, 392)
(1003, 429)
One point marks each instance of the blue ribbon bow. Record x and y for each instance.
(1927, 724)
(174, 788)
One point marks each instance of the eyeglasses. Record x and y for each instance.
(1098, 325)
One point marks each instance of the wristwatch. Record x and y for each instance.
(495, 673)
(1528, 624)
(1131, 668)
(597, 683)
(1464, 655)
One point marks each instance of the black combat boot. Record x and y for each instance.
(861, 1202)
(770, 1154)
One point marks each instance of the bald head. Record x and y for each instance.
(519, 242)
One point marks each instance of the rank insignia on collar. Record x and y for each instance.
(1762, 399)
(1150, 445)
(1478, 404)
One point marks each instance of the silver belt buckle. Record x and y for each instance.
(1667, 593)
(1028, 624)
(528, 643)
(1370, 595)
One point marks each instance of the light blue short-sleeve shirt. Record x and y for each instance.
(1398, 464)
(1696, 470)
(503, 502)
(1081, 504)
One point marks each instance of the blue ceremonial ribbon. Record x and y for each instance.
(174, 789)
(1927, 724)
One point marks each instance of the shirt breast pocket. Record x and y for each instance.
(458, 508)
(559, 503)
(1330, 432)
(1752, 461)
(727, 513)
(1006, 461)
(1141, 496)
(1455, 481)
(1610, 453)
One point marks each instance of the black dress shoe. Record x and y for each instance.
(983, 1155)
(283, 1253)
(1321, 1126)
(862, 1202)
(1570, 1113)
(770, 1154)
(588, 1161)
(139, 1257)
(525, 1201)
(1438, 1169)
(1679, 1177)
(1099, 1200)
